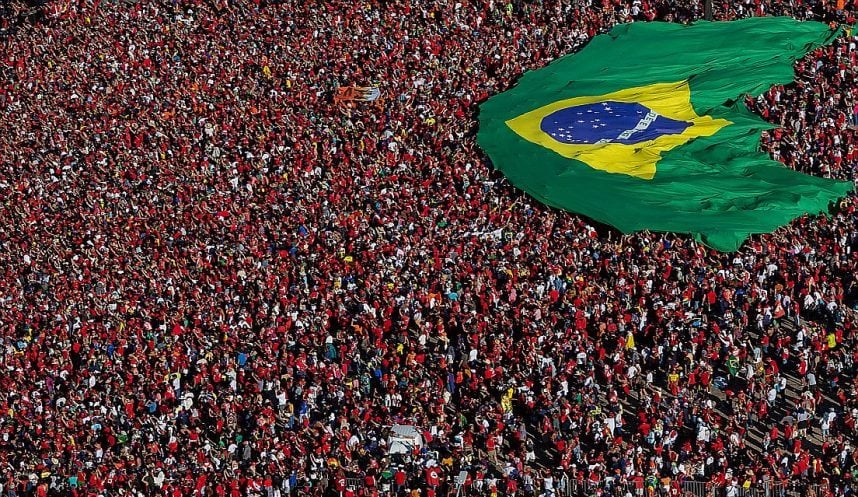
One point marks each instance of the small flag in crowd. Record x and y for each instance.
(357, 94)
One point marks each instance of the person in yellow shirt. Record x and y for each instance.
(673, 381)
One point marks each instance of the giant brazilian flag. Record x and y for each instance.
(646, 129)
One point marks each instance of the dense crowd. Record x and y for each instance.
(217, 281)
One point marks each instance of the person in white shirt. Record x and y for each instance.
(825, 426)
(733, 489)
(548, 485)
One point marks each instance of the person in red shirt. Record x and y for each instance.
(433, 476)
(399, 479)
(511, 486)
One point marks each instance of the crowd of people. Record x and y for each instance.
(216, 280)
